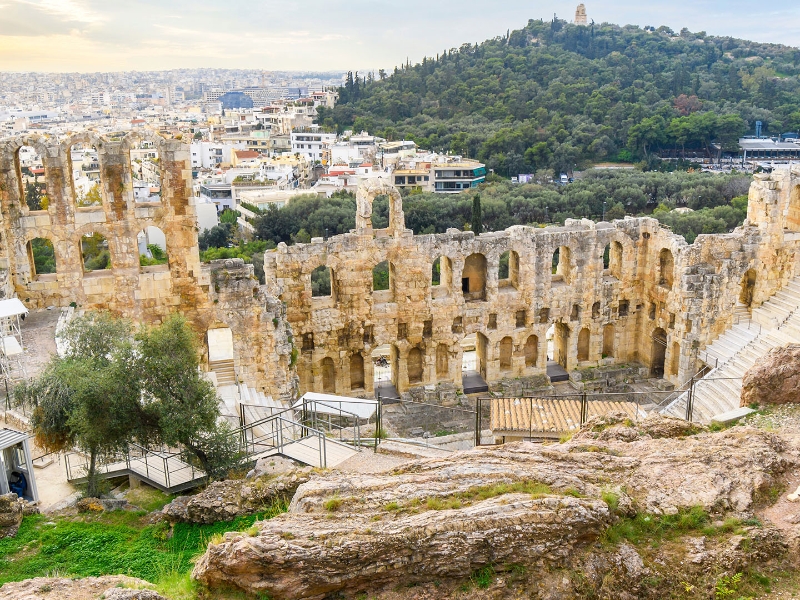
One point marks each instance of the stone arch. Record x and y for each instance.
(609, 333)
(442, 361)
(505, 353)
(658, 353)
(383, 281)
(583, 344)
(615, 256)
(442, 275)
(86, 174)
(152, 245)
(508, 269)
(562, 265)
(415, 366)
(675, 358)
(531, 351)
(32, 192)
(666, 267)
(367, 191)
(321, 282)
(96, 252)
(473, 278)
(328, 375)
(748, 286)
(146, 171)
(356, 372)
(42, 258)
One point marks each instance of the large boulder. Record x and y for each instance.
(11, 513)
(522, 503)
(226, 500)
(775, 379)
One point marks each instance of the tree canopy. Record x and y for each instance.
(552, 95)
(112, 388)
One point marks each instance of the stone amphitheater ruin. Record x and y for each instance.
(658, 301)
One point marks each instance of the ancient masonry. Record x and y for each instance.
(615, 292)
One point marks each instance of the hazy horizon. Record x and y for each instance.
(145, 35)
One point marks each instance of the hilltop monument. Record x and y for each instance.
(580, 15)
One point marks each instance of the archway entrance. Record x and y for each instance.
(384, 371)
(473, 363)
(658, 353)
(557, 347)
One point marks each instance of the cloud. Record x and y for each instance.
(91, 35)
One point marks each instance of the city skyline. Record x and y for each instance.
(91, 36)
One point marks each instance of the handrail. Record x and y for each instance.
(684, 387)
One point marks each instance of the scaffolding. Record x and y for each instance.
(12, 353)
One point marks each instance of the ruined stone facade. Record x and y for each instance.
(627, 291)
(656, 300)
(210, 296)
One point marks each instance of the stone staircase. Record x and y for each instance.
(224, 371)
(774, 324)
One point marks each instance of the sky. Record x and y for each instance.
(316, 35)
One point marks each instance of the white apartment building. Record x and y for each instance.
(311, 144)
(209, 155)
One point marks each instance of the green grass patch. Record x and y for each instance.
(654, 529)
(147, 498)
(112, 543)
(333, 504)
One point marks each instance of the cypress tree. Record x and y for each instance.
(477, 220)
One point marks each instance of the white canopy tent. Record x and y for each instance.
(328, 404)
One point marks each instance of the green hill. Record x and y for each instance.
(553, 94)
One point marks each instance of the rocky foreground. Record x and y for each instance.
(539, 509)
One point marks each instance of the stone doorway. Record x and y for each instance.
(658, 353)
(473, 363)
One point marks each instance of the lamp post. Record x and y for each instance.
(604, 210)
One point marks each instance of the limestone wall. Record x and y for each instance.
(209, 296)
(659, 299)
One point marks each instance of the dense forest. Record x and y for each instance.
(554, 95)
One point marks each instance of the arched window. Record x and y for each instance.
(473, 278)
(356, 372)
(615, 260)
(583, 344)
(42, 257)
(506, 349)
(146, 172)
(531, 351)
(415, 366)
(95, 253)
(381, 277)
(152, 248)
(442, 361)
(31, 178)
(666, 265)
(441, 277)
(608, 340)
(607, 256)
(321, 282)
(562, 266)
(328, 376)
(508, 269)
(86, 175)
